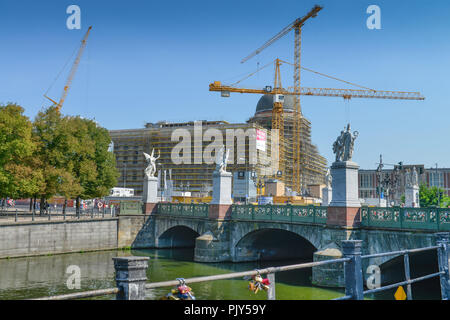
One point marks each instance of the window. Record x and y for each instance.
(436, 179)
(366, 180)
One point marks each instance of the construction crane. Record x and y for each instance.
(298, 91)
(296, 26)
(73, 70)
(279, 92)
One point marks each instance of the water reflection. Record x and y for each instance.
(32, 277)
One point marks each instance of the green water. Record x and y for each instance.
(33, 277)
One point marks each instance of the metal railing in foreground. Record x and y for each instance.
(131, 278)
(354, 288)
(21, 216)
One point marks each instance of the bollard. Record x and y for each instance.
(15, 218)
(32, 216)
(131, 277)
(443, 241)
(353, 269)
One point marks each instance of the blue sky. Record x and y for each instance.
(147, 61)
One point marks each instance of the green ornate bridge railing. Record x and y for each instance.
(281, 213)
(436, 219)
(184, 209)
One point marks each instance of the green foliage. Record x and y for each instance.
(53, 155)
(431, 197)
(17, 177)
(91, 163)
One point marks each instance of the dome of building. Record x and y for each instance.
(265, 103)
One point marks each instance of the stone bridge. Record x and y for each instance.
(251, 233)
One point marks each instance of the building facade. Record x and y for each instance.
(394, 189)
(259, 159)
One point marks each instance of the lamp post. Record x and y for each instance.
(379, 182)
(437, 186)
(388, 183)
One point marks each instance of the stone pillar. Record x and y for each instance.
(412, 197)
(443, 241)
(327, 196)
(220, 206)
(330, 275)
(213, 245)
(131, 277)
(354, 285)
(344, 208)
(150, 194)
(209, 248)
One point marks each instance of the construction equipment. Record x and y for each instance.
(72, 72)
(297, 134)
(278, 114)
(300, 162)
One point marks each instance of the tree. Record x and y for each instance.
(17, 175)
(433, 196)
(92, 164)
(52, 156)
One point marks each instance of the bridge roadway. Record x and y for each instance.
(251, 233)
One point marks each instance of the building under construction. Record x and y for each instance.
(196, 177)
(312, 164)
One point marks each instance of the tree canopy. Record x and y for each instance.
(53, 155)
(433, 197)
(18, 176)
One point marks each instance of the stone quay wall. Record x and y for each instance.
(51, 237)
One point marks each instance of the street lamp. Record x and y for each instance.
(437, 186)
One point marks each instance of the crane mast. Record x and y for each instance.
(297, 134)
(73, 70)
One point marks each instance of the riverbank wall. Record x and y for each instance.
(33, 238)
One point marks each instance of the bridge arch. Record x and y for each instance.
(177, 237)
(273, 244)
(176, 233)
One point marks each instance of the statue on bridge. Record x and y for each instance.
(151, 163)
(344, 145)
(328, 178)
(411, 178)
(222, 159)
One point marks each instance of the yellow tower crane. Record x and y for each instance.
(277, 123)
(72, 72)
(297, 27)
(279, 92)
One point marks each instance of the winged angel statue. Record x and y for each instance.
(151, 163)
(222, 159)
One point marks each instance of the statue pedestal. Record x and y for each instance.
(327, 196)
(344, 208)
(220, 206)
(412, 197)
(150, 194)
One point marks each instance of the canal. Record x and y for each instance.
(32, 277)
